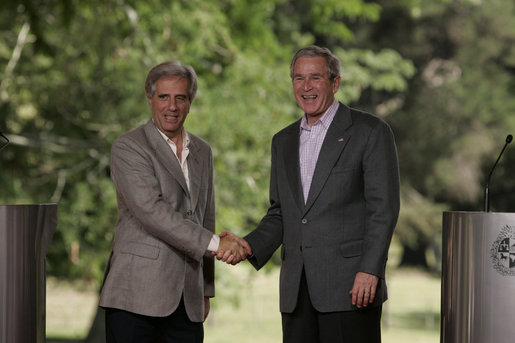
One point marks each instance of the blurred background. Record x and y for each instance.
(440, 72)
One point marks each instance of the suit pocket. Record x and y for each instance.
(141, 250)
(352, 248)
(338, 169)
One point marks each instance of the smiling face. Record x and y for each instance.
(313, 89)
(170, 105)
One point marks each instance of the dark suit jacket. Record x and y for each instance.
(348, 221)
(163, 229)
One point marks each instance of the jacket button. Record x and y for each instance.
(304, 221)
(189, 213)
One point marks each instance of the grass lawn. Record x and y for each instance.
(70, 308)
(246, 309)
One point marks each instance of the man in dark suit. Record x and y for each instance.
(160, 274)
(334, 203)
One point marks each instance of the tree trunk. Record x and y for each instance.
(414, 257)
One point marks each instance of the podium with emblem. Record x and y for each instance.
(478, 278)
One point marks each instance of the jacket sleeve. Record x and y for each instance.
(267, 237)
(382, 199)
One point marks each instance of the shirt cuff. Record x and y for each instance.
(213, 244)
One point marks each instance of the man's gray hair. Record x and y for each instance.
(331, 61)
(171, 68)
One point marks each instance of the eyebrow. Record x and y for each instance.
(309, 74)
(174, 95)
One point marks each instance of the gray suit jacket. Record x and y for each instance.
(163, 230)
(348, 221)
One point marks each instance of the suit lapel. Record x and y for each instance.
(334, 142)
(194, 171)
(165, 154)
(291, 159)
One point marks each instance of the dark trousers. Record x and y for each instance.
(127, 327)
(307, 325)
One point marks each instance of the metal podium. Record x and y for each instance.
(478, 278)
(25, 234)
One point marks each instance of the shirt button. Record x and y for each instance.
(304, 221)
(189, 213)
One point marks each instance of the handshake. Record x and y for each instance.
(232, 249)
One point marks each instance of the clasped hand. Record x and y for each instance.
(232, 249)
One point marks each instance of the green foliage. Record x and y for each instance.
(72, 81)
(365, 69)
(451, 123)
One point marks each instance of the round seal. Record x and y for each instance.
(502, 252)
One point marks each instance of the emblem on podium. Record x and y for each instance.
(502, 252)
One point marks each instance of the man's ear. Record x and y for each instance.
(336, 84)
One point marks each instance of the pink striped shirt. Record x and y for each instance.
(311, 139)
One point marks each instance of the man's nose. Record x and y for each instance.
(172, 105)
(307, 84)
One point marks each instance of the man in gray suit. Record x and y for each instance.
(334, 203)
(160, 274)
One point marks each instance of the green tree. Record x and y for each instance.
(73, 81)
(459, 106)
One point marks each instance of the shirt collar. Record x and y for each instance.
(326, 119)
(185, 137)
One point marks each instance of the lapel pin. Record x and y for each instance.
(340, 139)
